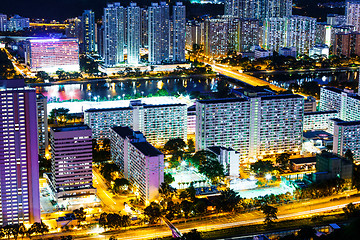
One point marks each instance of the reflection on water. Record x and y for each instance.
(321, 77)
(121, 89)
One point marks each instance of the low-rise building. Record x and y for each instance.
(288, 52)
(303, 164)
(229, 158)
(140, 162)
(334, 166)
(319, 50)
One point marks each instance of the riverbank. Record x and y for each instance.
(119, 79)
(321, 70)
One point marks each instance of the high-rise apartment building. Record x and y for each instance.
(41, 105)
(252, 126)
(114, 38)
(294, 31)
(217, 36)
(140, 162)
(17, 23)
(3, 22)
(158, 123)
(194, 34)
(144, 39)
(88, 31)
(346, 137)
(347, 44)
(258, 9)
(335, 19)
(133, 34)
(73, 28)
(249, 34)
(352, 13)
(159, 33)
(71, 163)
(49, 55)
(19, 168)
(179, 31)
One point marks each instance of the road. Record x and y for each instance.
(111, 202)
(290, 211)
(18, 67)
(244, 77)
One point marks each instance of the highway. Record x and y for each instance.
(290, 211)
(244, 77)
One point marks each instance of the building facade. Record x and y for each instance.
(159, 33)
(252, 126)
(158, 123)
(294, 31)
(114, 37)
(43, 135)
(347, 44)
(179, 32)
(50, 55)
(319, 120)
(71, 163)
(3, 22)
(229, 159)
(249, 34)
(19, 168)
(88, 31)
(17, 23)
(140, 162)
(133, 34)
(352, 13)
(346, 137)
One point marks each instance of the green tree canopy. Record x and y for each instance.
(262, 167)
(269, 212)
(153, 212)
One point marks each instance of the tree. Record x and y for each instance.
(22, 230)
(103, 220)
(269, 212)
(121, 184)
(166, 191)
(349, 155)
(351, 210)
(283, 159)
(262, 167)
(15, 230)
(213, 170)
(80, 215)
(191, 145)
(42, 75)
(153, 212)
(43, 228)
(186, 207)
(223, 89)
(125, 221)
(107, 170)
(201, 156)
(168, 178)
(193, 235)
(228, 200)
(59, 115)
(7, 231)
(112, 238)
(174, 146)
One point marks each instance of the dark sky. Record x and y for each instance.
(63, 9)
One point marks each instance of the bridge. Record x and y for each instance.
(175, 232)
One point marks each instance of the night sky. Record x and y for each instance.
(63, 9)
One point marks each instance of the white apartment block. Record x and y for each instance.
(352, 13)
(347, 137)
(140, 162)
(319, 120)
(229, 158)
(133, 34)
(347, 104)
(158, 123)
(255, 127)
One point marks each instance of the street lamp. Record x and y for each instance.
(123, 96)
(142, 94)
(89, 96)
(109, 97)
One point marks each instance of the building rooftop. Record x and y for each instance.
(12, 83)
(147, 149)
(222, 100)
(320, 112)
(317, 134)
(163, 105)
(303, 160)
(334, 89)
(123, 131)
(345, 123)
(281, 96)
(217, 149)
(71, 128)
(108, 109)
